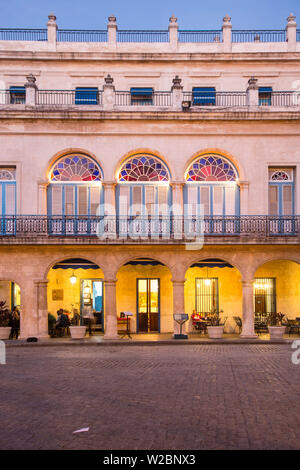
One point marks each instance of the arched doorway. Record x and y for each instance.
(276, 289)
(76, 286)
(213, 286)
(144, 288)
(10, 293)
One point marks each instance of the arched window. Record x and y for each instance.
(211, 187)
(281, 191)
(143, 186)
(211, 168)
(7, 196)
(144, 168)
(75, 188)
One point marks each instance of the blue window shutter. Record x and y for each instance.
(265, 95)
(86, 96)
(204, 96)
(17, 94)
(141, 91)
(141, 96)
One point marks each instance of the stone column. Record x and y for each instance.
(31, 90)
(177, 208)
(178, 302)
(244, 194)
(42, 197)
(252, 92)
(226, 28)
(248, 314)
(177, 93)
(111, 327)
(42, 308)
(291, 33)
(173, 32)
(28, 310)
(108, 97)
(52, 31)
(112, 31)
(110, 208)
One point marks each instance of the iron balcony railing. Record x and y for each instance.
(142, 36)
(162, 227)
(263, 35)
(157, 98)
(67, 98)
(138, 36)
(16, 34)
(200, 36)
(216, 98)
(70, 35)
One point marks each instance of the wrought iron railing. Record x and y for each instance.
(67, 98)
(285, 98)
(200, 36)
(262, 35)
(16, 34)
(70, 35)
(142, 36)
(162, 227)
(216, 98)
(157, 98)
(5, 97)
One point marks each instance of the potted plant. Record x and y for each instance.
(5, 329)
(275, 327)
(215, 330)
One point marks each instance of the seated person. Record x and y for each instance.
(62, 321)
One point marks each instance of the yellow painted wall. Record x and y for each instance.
(60, 279)
(230, 292)
(287, 274)
(5, 292)
(127, 292)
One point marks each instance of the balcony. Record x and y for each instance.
(162, 229)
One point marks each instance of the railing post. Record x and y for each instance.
(291, 33)
(226, 29)
(173, 32)
(108, 97)
(252, 92)
(31, 90)
(177, 93)
(52, 31)
(112, 30)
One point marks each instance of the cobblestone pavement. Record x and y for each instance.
(150, 397)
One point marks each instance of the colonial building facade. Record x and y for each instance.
(156, 172)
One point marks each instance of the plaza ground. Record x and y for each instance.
(216, 396)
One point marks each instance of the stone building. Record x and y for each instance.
(156, 172)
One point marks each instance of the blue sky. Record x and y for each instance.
(154, 14)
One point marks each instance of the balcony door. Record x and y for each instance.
(148, 305)
(281, 200)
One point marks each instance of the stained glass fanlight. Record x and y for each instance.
(75, 168)
(143, 167)
(210, 168)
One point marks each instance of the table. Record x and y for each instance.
(126, 322)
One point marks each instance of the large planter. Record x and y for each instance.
(5, 332)
(77, 332)
(215, 332)
(276, 332)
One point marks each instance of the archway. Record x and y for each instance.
(276, 289)
(75, 285)
(10, 293)
(144, 288)
(213, 286)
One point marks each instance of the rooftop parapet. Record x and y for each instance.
(173, 36)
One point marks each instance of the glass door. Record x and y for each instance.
(92, 298)
(148, 305)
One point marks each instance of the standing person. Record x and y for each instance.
(15, 323)
(88, 318)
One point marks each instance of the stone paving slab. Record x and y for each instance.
(208, 396)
